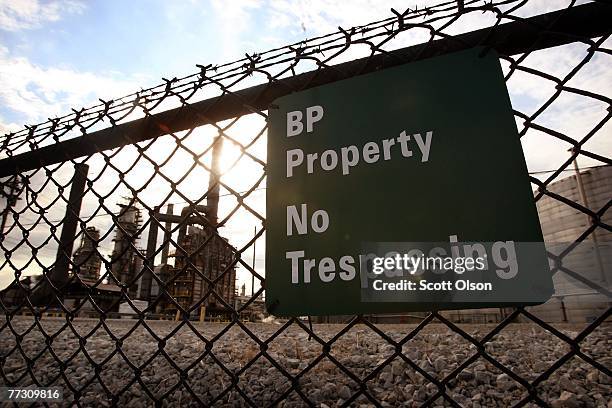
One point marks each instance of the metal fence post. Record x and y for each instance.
(149, 263)
(59, 274)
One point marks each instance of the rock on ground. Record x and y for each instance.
(122, 362)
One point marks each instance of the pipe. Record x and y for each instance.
(149, 263)
(167, 235)
(213, 182)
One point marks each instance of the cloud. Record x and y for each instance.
(233, 19)
(324, 16)
(27, 14)
(8, 127)
(36, 93)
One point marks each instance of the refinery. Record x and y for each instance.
(187, 270)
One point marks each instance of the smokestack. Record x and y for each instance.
(213, 181)
(149, 264)
(86, 259)
(59, 274)
(167, 235)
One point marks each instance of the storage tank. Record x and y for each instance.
(591, 260)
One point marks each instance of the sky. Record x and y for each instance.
(61, 54)
(57, 55)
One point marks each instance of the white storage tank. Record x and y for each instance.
(562, 224)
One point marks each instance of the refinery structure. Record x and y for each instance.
(198, 276)
(187, 268)
(87, 260)
(578, 300)
(125, 264)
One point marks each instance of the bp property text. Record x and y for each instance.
(403, 146)
(301, 221)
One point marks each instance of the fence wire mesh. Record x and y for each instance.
(133, 234)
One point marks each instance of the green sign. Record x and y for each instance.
(401, 190)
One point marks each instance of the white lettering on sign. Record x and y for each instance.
(326, 268)
(348, 162)
(294, 120)
(349, 156)
(295, 157)
(294, 123)
(319, 221)
(402, 146)
(412, 262)
(343, 159)
(313, 114)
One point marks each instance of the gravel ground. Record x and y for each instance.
(526, 349)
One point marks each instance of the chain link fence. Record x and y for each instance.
(133, 234)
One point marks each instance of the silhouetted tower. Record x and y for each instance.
(204, 256)
(10, 191)
(123, 258)
(208, 256)
(86, 259)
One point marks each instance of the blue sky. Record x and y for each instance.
(126, 41)
(154, 38)
(132, 44)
